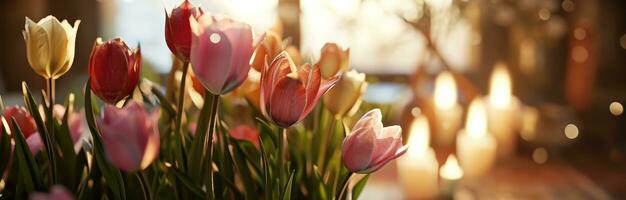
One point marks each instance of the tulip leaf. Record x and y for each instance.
(358, 188)
(28, 169)
(112, 175)
(164, 102)
(200, 142)
(268, 129)
(266, 170)
(244, 171)
(43, 132)
(5, 150)
(288, 186)
(186, 181)
(66, 144)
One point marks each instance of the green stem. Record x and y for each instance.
(282, 136)
(209, 143)
(324, 146)
(144, 186)
(345, 186)
(50, 93)
(181, 100)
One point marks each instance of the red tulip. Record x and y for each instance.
(245, 132)
(27, 125)
(113, 69)
(178, 31)
(289, 92)
(370, 145)
(130, 136)
(220, 52)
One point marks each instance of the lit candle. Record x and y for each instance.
(418, 168)
(503, 110)
(475, 146)
(447, 110)
(450, 173)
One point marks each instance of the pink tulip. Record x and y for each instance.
(289, 92)
(75, 120)
(220, 52)
(130, 136)
(27, 125)
(57, 192)
(245, 132)
(370, 145)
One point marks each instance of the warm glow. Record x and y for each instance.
(476, 124)
(540, 155)
(500, 88)
(451, 169)
(571, 131)
(445, 91)
(419, 137)
(616, 108)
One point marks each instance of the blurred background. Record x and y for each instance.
(564, 60)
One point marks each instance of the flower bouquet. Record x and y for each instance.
(253, 130)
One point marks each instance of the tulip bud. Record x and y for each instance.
(130, 136)
(113, 69)
(345, 98)
(244, 132)
(370, 145)
(57, 192)
(27, 125)
(270, 47)
(333, 60)
(178, 31)
(220, 52)
(50, 45)
(289, 92)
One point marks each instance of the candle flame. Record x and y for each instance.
(451, 169)
(419, 137)
(476, 124)
(500, 87)
(445, 91)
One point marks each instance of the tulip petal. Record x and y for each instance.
(377, 166)
(288, 101)
(240, 37)
(387, 143)
(58, 40)
(34, 143)
(370, 118)
(37, 47)
(357, 149)
(210, 59)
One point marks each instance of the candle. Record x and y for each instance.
(476, 148)
(447, 111)
(502, 111)
(450, 173)
(417, 169)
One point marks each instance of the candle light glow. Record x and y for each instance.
(419, 138)
(451, 169)
(500, 86)
(445, 91)
(476, 124)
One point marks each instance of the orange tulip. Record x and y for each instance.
(289, 92)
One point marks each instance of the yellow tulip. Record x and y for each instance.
(344, 99)
(333, 60)
(50, 45)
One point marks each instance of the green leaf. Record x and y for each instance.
(5, 150)
(288, 187)
(266, 169)
(64, 139)
(165, 104)
(194, 188)
(112, 175)
(29, 170)
(200, 142)
(269, 130)
(358, 188)
(43, 132)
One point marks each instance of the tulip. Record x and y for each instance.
(57, 192)
(113, 69)
(178, 31)
(370, 145)
(76, 122)
(245, 132)
(220, 52)
(130, 136)
(345, 98)
(27, 125)
(289, 92)
(270, 47)
(50, 45)
(333, 60)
